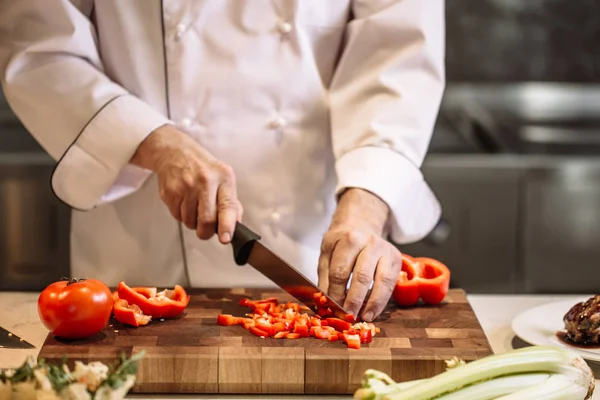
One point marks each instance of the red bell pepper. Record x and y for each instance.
(434, 281)
(421, 278)
(165, 304)
(129, 314)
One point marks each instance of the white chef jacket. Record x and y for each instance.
(303, 98)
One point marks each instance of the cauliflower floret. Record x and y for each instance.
(91, 374)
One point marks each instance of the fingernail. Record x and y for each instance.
(368, 317)
(226, 237)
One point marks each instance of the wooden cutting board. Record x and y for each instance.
(192, 354)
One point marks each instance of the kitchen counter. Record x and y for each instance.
(18, 314)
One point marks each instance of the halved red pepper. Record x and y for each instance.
(421, 278)
(434, 280)
(406, 292)
(165, 304)
(129, 314)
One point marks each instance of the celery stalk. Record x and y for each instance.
(494, 388)
(526, 360)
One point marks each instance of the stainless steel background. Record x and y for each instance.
(514, 158)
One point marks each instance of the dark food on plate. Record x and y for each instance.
(582, 322)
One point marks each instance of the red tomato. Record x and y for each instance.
(75, 309)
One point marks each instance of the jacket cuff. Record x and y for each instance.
(414, 208)
(95, 168)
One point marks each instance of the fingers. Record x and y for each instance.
(240, 211)
(323, 269)
(386, 274)
(362, 277)
(172, 200)
(343, 258)
(189, 211)
(207, 212)
(227, 210)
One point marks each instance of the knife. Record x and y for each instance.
(248, 249)
(9, 340)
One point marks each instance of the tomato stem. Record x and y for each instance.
(71, 281)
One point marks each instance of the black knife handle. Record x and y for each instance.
(242, 242)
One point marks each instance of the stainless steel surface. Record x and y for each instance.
(9, 340)
(562, 227)
(526, 118)
(287, 277)
(34, 226)
(480, 196)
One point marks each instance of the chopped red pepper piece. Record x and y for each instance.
(228, 320)
(281, 335)
(254, 330)
(292, 336)
(353, 341)
(129, 314)
(338, 324)
(421, 278)
(166, 304)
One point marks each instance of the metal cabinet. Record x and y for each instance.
(480, 197)
(562, 227)
(34, 225)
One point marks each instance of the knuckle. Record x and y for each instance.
(389, 279)
(354, 303)
(227, 172)
(363, 277)
(338, 276)
(227, 204)
(353, 238)
(187, 180)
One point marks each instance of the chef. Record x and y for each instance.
(308, 120)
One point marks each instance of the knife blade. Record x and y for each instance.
(9, 340)
(248, 249)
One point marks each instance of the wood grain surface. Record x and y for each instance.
(192, 354)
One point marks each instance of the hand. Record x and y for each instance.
(198, 189)
(354, 244)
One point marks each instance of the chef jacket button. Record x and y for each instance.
(319, 207)
(186, 123)
(284, 27)
(278, 122)
(275, 216)
(180, 30)
(387, 143)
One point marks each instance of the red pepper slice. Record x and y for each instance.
(166, 304)
(281, 335)
(258, 332)
(321, 333)
(338, 324)
(353, 341)
(292, 336)
(228, 320)
(129, 314)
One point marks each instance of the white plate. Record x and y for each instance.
(539, 325)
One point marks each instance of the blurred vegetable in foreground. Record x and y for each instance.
(37, 381)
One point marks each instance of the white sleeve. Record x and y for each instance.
(53, 80)
(385, 97)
